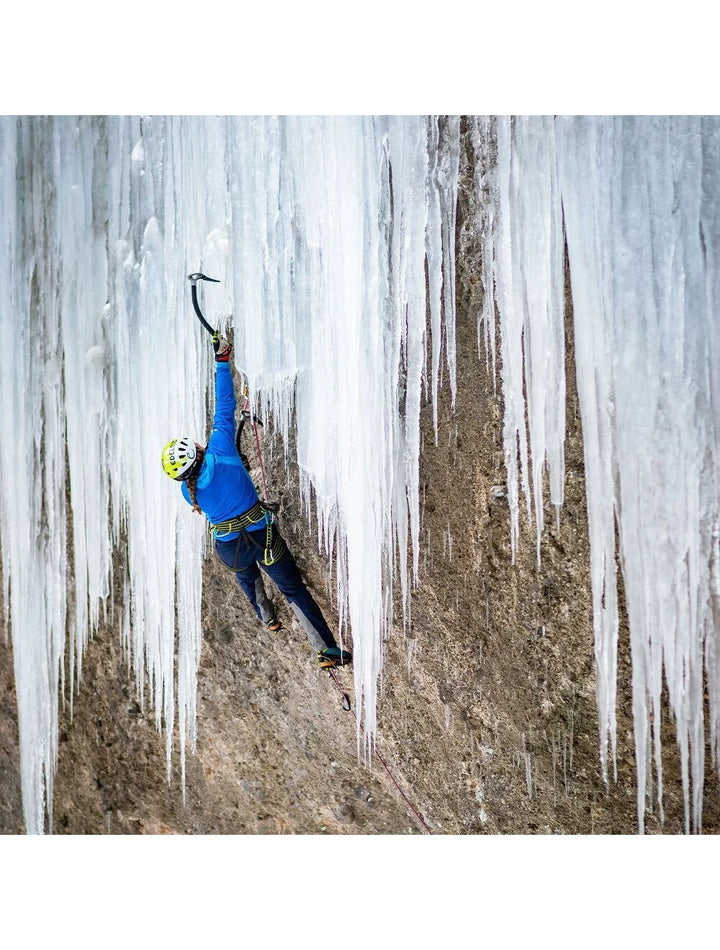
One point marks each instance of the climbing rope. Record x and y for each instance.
(348, 708)
(246, 414)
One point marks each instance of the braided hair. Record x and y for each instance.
(192, 481)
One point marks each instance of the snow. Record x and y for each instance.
(319, 230)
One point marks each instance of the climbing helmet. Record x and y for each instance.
(179, 458)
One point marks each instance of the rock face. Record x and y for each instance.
(487, 715)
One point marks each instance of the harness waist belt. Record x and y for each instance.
(240, 522)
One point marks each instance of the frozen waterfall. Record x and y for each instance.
(322, 231)
(334, 239)
(640, 201)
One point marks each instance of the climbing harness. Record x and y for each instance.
(273, 550)
(348, 708)
(222, 529)
(274, 546)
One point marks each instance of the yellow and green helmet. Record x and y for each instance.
(179, 458)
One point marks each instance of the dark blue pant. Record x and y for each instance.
(244, 555)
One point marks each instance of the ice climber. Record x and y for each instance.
(216, 483)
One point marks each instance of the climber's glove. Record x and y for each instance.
(222, 349)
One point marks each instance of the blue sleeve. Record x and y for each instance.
(222, 437)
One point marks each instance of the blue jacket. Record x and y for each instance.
(224, 488)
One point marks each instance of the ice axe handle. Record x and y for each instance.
(194, 278)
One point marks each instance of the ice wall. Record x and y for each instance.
(641, 205)
(321, 231)
(338, 218)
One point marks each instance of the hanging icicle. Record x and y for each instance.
(320, 233)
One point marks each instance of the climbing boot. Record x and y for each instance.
(333, 656)
(274, 625)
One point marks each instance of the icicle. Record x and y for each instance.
(642, 216)
(32, 515)
(348, 206)
(588, 230)
(319, 230)
(82, 296)
(528, 277)
(448, 169)
(442, 183)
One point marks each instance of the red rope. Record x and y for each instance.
(380, 758)
(262, 467)
(257, 445)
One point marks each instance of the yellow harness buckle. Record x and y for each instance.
(223, 528)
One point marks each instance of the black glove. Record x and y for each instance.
(222, 349)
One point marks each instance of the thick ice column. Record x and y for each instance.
(640, 203)
(319, 231)
(332, 231)
(80, 237)
(647, 184)
(584, 150)
(709, 234)
(32, 463)
(161, 369)
(91, 342)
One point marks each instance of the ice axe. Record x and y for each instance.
(194, 278)
(245, 417)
